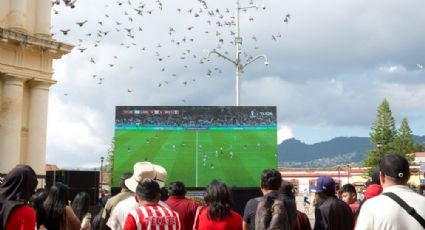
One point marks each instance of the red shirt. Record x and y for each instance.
(232, 222)
(354, 206)
(186, 208)
(301, 222)
(152, 216)
(21, 218)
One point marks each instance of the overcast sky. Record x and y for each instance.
(331, 65)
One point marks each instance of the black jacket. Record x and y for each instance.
(333, 214)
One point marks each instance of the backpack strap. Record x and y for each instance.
(406, 207)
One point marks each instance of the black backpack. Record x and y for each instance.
(271, 213)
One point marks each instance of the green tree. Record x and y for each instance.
(403, 143)
(382, 135)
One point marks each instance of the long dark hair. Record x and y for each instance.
(80, 205)
(54, 206)
(37, 201)
(219, 200)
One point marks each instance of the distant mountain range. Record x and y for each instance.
(337, 151)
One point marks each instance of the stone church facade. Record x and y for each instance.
(27, 51)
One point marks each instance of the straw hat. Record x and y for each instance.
(143, 170)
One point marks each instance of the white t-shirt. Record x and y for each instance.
(121, 210)
(383, 213)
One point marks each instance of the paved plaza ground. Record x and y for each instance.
(309, 211)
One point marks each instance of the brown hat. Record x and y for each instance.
(143, 170)
(395, 166)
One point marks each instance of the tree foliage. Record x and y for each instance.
(403, 143)
(382, 135)
(387, 139)
(383, 130)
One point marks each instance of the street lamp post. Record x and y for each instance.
(348, 173)
(101, 170)
(339, 176)
(238, 43)
(379, 146)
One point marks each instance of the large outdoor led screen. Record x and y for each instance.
(197, 144)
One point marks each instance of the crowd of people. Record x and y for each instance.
(198, 117)
(388, 203)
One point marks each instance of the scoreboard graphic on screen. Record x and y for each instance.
(197, 144)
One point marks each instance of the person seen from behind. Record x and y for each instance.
(16, 190)
(141, 170)
(80, 206)
(398, 207)
(218, 213)
(186, 208)
(56, 214)
(37, 201)
(331, 213)
(297, 219)
(270, 182)
(374, 188)
(151, 215)
(113, 201)
(287, 194)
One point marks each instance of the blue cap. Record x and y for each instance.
(325, 184)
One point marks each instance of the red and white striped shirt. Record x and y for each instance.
(152, 217)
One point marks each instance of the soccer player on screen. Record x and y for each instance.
(204, 161)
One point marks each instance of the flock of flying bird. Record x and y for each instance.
(219, 26)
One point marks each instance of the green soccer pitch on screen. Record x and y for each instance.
(197, 144)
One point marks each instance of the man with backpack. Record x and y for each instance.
(271, 180)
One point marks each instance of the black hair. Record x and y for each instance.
(219, 199)
(271, 179)
(349, 188)
(124, 177)
(80, 205)
(287, 188)
(177, 189)
(375, 178)
(54, 206)
(97, 221)
(164, 194)
(37, 200)
(148, 190)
